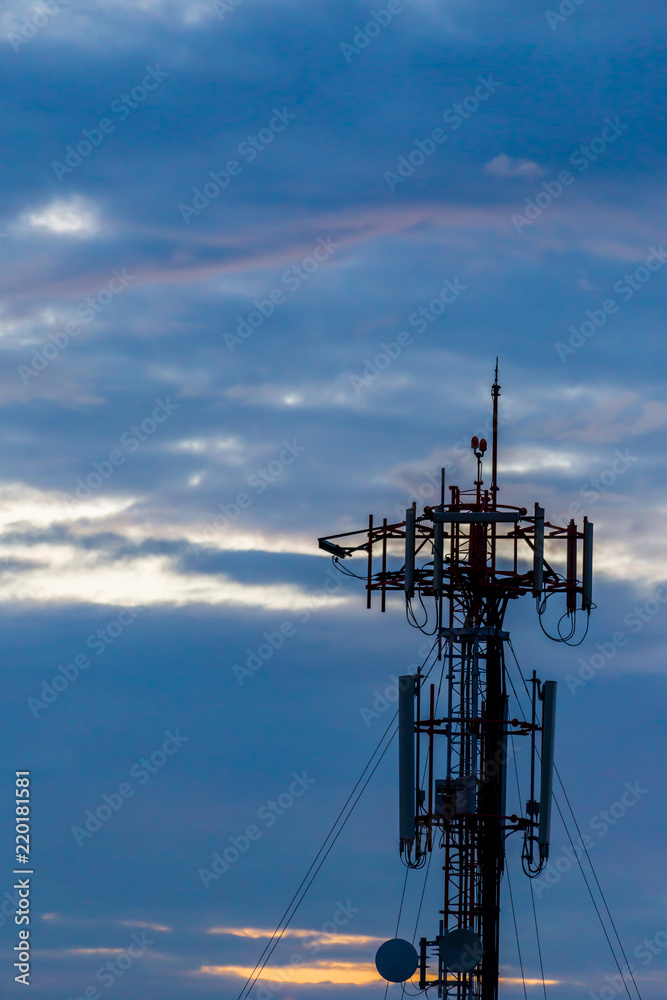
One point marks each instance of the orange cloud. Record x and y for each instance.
(142, 923)
(94, 951)
(530, 982)
(342, 973)
(339, 973)
(318, 937)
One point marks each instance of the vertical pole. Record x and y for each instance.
(587, 569)
(438, 559)
(406, 758)
(422, 963)
(410, 546)
(532, 738)
(441, 561)
(418, 780)
(370, 559)
(548, 732)
(503, 757)
(538, 552)
(450, 702)
(571, 567)
(441, 968)
(532, 811)
(384, 562)
(491, 846)
(430, 769)
(495, 393)
(438, 576)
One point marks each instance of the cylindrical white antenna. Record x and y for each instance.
(538, 552)
(587, 572)
(410, 525)
(548, 734)
(406, 757)
(438, 555)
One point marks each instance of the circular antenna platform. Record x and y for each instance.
(396, 960)
(460, 950)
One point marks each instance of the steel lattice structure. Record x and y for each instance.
(471, 556)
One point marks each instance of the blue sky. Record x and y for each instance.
(201, 376)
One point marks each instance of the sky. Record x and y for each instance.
(258, 260)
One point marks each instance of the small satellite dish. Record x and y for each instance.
(396, 960)
(460, 950)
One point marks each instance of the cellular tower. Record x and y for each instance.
(469, 555)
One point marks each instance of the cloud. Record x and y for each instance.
(606, 415)
(530, 982)
(67, 574)
(653, 418)
(21, 504)
(92, 551)
(505, 166)
(341, 973)
(75, 217)
(61, 919)
(94, 951)
(533, 459)
(317, 937)
(144, 923)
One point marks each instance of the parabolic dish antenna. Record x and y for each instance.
(396, 960)
(460, 950)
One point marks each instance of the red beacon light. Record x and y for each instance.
(474, 444)
(483, 445)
